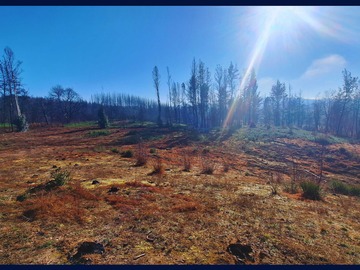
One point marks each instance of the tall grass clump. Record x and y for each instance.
(292, 187)
(207, 165)
(186, 162)
(275, 180)
(141, 156)
(158, 167)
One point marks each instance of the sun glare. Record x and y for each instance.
(275, 29)
(276, 23)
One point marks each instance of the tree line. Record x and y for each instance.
(227, 98)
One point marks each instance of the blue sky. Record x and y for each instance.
(114, 49)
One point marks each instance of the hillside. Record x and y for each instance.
(222, 210)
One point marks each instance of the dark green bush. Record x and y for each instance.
(311, 190)
(114, 150)
(324, 141)
(22, 197)
(127, 154)
(152, 150)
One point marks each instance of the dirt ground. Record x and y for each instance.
(142, 216)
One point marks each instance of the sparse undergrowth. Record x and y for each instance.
(59, 178)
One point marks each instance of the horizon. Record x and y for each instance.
(114, 49)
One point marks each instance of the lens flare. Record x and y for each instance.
(287, 27)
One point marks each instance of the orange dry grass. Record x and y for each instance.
(56, 208)
(185, 207)
(80, 192)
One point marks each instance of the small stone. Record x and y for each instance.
(95, 182)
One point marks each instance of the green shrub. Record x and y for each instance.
(311, 190)
(114, 150)
(98, 133)
(127, 154)
(152, 151)
(60, 177)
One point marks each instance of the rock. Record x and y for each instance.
(29, 215)
(87, 248)
(113, 190)
(95, 182)
(241, 252)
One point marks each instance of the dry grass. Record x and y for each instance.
(54, 208)
(141, 155)
(186, 161)
(207, 165)
(186, 218)
(275, 180)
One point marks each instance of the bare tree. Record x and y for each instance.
(67, 101)
(192, 93)
(11, 82)
(221, 86)
(156, 78)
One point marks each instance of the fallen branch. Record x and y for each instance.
(139, 256)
